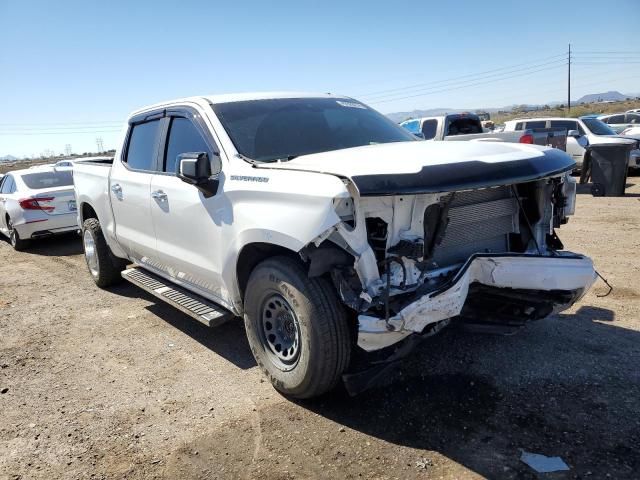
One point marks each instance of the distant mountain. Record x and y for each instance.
(611, 96)
(8, 158)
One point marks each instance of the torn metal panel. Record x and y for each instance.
(571, 273)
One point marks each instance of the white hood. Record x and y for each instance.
(426, 167)
(408, 157)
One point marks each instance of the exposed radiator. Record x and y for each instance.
(480, 221)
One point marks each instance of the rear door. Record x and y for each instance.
(188, 225)
(130, 189)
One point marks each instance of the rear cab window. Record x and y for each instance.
(463, 125)
(536, 124)
(41, 180)
(143, 146)
(561, 125)
(429, 128)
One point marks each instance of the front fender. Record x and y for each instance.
(290, 211)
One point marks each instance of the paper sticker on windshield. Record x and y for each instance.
(350, 104)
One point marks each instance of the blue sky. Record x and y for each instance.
(71, 71)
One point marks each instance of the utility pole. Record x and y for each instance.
(67, 149)
(569, 82)
(99, 144)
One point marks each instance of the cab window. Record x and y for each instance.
(429, 128)
(615, 119)
(143, 145)
(413, 126)
(183, 137)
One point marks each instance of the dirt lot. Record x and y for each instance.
(111, 384)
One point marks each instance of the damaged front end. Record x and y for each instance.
(487, 256)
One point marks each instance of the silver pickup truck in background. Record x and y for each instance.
(468, 127)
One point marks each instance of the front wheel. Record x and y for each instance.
(297, 328)
(103, 266)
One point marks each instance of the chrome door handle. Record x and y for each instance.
(159, 195)
(116, 188)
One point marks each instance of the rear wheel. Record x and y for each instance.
(14, 238)
(103, 266)
(297, 328)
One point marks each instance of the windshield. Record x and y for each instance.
(598, 127)
(40, 180)
(268, 130)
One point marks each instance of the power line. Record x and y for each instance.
(495, 76)
(596, 52)
(605, 63)
(559, 88)
(93, 132)
(99, 122)
(49, 129)
(510, 67)
(464, 86)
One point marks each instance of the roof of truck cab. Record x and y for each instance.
(238, 97)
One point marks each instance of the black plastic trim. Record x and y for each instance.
(468, 175)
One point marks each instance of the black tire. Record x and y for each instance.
(106, 270)
(16, 242)
(323, 346)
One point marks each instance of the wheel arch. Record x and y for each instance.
(254, 253)
(87, 211)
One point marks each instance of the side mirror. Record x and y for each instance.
(196, 169)
(573, 133)
(420, 135)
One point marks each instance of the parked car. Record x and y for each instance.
(583, 131)
(71, 163)
(328, 228)
(633, 132)
(469, 127)
(635, 110)
(36, 203)
(620, 121)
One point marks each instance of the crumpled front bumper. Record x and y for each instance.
(566, 271)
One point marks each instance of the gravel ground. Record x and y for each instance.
(112, 384)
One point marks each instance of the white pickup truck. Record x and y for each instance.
(465, 127)
(327, 227)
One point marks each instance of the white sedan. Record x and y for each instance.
(36, 203)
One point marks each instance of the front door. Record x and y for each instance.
(130, 192)
(188, 225)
